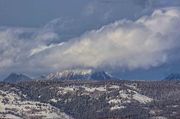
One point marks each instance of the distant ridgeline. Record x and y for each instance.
(75, 74)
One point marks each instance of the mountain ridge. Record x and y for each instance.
(72, 74)
(16, 77)
(79, 74)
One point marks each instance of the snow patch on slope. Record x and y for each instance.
(92, 89)
(116, 107)
(12, 106)
(127, 96)
(142, 98)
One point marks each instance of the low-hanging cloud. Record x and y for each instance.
(18, 44)
(144, 43)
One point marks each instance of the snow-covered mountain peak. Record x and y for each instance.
(78, 71)
(74, 74)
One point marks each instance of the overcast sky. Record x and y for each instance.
(133, 39)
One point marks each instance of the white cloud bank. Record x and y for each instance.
(144, 43)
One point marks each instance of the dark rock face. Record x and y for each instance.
(14, 78)
(173, 76)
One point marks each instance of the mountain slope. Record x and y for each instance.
(110, 99)
(89, 99)
(13, 104)
(173, 76)
(14, 78)
(79, 74)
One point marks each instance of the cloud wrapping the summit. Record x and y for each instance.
(144, 43)
(126, 44)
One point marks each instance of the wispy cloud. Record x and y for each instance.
(143, 43)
